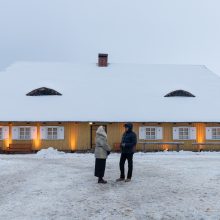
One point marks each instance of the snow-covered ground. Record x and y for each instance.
(52, 185)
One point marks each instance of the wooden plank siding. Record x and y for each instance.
(1, 145)
(210, 147)
(77, 136)
(167, 136)
(5, 143)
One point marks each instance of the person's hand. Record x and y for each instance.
(123, 144)
(108, 152)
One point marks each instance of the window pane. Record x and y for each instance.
(52, 133)
(28, 133)
(150, 133)
(215, 133)
(183, 133)
(25, 133)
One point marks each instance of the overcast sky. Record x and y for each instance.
(137, 31)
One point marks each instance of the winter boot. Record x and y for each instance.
(120, 179)
(101, 180)
(128, 180)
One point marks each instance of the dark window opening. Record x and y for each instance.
(179, 93)
(43, 91)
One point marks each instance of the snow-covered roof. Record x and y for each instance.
(119, 92)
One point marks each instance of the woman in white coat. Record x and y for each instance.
(102, 150)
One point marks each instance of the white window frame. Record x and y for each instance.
(181, 132)
(54, 133)
(59, 136)
(27, 133)
(152, 133)
(191, 133)
(215, 136)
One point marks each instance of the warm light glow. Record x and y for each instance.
(165, 147)
(200, 133)
(90, 123)
(73, 143)
(200, 127)
(7, 142)
(73, 137)
(37, 141)
(200, 137)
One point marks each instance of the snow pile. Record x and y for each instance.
(49, 153)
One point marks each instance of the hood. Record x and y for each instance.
(101, 131)
(129, 126)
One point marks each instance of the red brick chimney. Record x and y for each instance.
(103, 60)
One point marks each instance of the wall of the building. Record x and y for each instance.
(167, 137)
(4, 143)
(78, 136)
(1, 145)
(202, 134)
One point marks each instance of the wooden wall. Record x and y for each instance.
(4, 143)
(1, 145)
(78, 136)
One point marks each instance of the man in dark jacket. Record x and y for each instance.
(128, 143)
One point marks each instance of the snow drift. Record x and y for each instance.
(49, 153)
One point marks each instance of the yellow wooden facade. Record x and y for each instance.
(77, 136)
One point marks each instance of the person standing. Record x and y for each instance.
(128, 143)
(102, 150)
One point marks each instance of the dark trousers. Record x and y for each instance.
(100, 167)
(124, 157)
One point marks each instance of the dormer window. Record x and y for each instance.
(179, 93)
(43, 91)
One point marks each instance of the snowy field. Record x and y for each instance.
(50, 186)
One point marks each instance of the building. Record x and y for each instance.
(61, 105)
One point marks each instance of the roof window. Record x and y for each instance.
(43, 91)
(179, 93)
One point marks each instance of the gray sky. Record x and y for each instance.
(140, 31)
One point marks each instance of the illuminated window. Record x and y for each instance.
(179, 93)
(25, 133)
